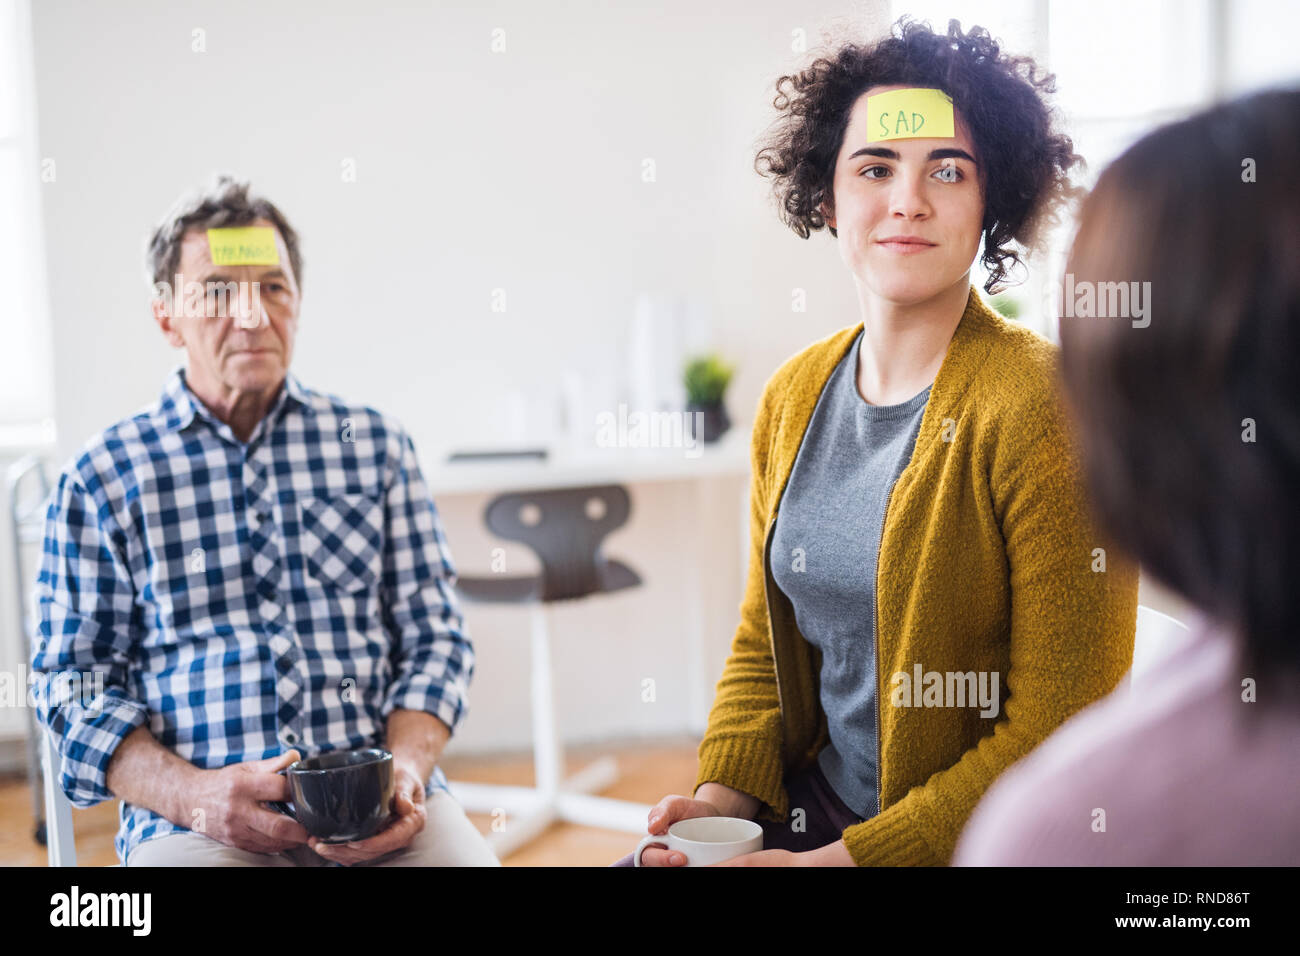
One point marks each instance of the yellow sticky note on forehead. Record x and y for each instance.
(245, 246)
(903, 114)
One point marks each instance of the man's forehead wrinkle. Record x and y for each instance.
(196, 244)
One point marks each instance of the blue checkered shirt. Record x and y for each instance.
(241, 599)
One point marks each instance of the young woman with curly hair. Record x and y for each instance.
(927, 598)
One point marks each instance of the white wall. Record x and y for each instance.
(475, 171)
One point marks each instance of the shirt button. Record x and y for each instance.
(290, 737)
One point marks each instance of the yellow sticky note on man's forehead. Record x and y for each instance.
(903, 114)
(245, 246)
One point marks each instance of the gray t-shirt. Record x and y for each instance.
(824, 553)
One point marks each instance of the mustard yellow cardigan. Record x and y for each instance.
(987, 562)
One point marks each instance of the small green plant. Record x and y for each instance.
(706, 380)
(1006, 306)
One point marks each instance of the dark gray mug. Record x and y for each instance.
(341, 796)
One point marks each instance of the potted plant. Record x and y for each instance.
(1006, 306)
(706, 379)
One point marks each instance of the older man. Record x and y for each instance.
(257, 571)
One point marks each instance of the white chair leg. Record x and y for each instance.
(518, 832)
(59, 840)
(594, 777)
(529, 811)
(548, 764)
(604, 813)
(577, 804)
(492, 798)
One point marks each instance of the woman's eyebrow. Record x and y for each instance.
(950, 154)
(879, 151)
(884, 153)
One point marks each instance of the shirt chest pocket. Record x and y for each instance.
(342, 540)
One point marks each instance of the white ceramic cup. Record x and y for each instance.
(705, 840)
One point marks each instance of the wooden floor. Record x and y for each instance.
(647, 774)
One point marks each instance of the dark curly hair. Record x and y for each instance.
(1023, 162)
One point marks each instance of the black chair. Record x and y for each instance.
(565, 529)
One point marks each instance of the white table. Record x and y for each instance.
(569, 469)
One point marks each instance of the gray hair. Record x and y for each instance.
(226, 202)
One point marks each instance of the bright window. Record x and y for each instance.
(26, 389)
(1124, 67)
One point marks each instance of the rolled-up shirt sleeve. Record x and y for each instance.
(433, 660)
(85, 602)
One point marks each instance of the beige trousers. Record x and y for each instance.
(448, 839)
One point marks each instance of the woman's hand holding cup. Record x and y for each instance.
(664, 814)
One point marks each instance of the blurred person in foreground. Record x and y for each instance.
(1190, 427)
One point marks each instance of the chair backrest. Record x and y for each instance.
(1157, 636)
(565, 528)
(27, 523)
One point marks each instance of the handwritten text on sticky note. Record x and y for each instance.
(901, 114)
(245, 246)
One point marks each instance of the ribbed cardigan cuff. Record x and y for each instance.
(890, 838)
(744, 764)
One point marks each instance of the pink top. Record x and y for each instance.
(1187, 773)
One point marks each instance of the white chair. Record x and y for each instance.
(1158, 635)
(53, 810)
(565, 528)
(27, 527)
(59, 842)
